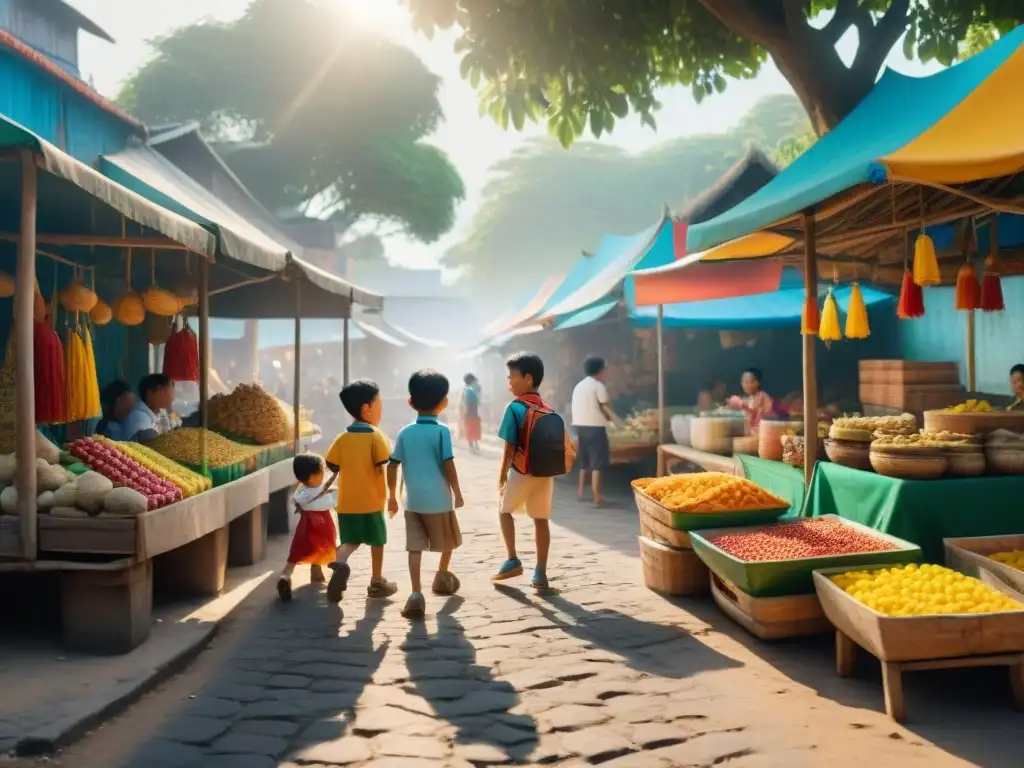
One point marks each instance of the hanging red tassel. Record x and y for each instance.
(181, 356)
(968, 292)
(48, 360)
(991, 284)
(810, 318)
(911, 302)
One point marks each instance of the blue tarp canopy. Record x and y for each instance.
(586, 316)
(898, 110)
(281, 333)
(762, 312)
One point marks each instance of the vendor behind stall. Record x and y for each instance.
(1017, 385)
(117, 401)
(756, 404)
(150, 417)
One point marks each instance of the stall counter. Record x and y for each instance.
(922, 511)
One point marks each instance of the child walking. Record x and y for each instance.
(359, 455)
(314, 540)
(423, 449)
(537, 449)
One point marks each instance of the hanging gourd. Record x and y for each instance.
(828, 330)
(991, 299)
(77, 297)
(6, 286)
(129, 308)
(101, 314)
(857, 326)
(158, 329)
(48, 357)
(158, 301)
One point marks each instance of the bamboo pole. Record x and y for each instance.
(24, 386)
(298, 360)
(345, 348)
(971, 358)
(102, 241)
(810, 340)
(660, 333)
(204, 357)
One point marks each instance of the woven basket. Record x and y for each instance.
(656, 523)
(1005, 461)
(966, 464)
(849, 453)
(673, 571)
(909, 466)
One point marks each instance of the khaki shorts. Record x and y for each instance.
(431, 533)
(527, 493)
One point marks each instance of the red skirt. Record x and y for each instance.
(314, 539)
(471, 430)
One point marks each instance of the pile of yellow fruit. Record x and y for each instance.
(1013, 559)
(183, 446)
(922, 590)
(708, 492)
(972, 406)
(253, 413)
(191, 483)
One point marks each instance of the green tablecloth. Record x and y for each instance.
(779, 478)
(922, 511)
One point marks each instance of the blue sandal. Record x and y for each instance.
(509, 570)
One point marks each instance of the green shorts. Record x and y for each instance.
(363, 529)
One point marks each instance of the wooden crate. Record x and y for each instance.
(970, 556)
(919, 643)
(656, 525)
(673, 571)
(904, 372)
(915, 398)
(770, 618)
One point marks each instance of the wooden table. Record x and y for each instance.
(670, 453)
(630, 453)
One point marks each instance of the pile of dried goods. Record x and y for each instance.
(865, 428)
(971, 406)
(708, 492)
(252, 413)
(183, 446)
(817, 537)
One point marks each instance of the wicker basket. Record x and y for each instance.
(656, 524)
(966, 463)
(849, 453)
(1005, 461)
(673, 571)
(909, 466)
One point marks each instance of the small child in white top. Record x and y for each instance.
(316, 536)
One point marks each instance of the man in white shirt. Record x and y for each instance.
(148, 420)
(591, 412)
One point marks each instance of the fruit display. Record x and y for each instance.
(865, 428)
(1014, 559)
(191, 483)
(183, 446)
(125, 472)
(708, 492)
(971, 406)
(815, 537)
(922, 590)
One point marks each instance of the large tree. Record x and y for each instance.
(308, 107)
(580, 62)
(542, 206)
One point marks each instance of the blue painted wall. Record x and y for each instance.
(941, 335)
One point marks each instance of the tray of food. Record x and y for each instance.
(705, 499)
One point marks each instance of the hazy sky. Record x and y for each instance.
(474, 143)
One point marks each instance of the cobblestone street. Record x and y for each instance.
(597, 671)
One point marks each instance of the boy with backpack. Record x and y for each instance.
(537, 449)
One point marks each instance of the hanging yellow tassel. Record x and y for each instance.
(926, 265)
(829, 329)
(857, 315)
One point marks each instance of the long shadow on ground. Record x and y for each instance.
(464, 693)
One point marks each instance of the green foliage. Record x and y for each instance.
(543, 206)
(321, 111)
(580, 64)
(978, 38)
(791, 149)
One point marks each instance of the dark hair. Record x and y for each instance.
(153, 382)
(356, 394)
(468, 379)
(427, 389)
(305, 465)
(527, 364)
(593, 365)
(111, 393)
(1018, 368)
(755, 372)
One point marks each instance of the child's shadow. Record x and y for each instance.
(657, 649)
(463, 692)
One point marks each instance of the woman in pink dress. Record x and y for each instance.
(756, 404)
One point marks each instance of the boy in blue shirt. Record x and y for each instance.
(424, 451)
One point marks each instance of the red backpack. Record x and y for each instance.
(541, 450)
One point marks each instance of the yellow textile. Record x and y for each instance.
(361, 453)
(979, 139)
(753, 246)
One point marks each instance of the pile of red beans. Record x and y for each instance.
(817, 537)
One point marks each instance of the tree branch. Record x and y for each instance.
(876, 42)
(844, 17)
(761, 21)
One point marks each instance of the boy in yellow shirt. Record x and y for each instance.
(360, 455)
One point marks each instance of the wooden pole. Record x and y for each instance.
(204, 356)
(660, 334)
(972, 384)
(810, 340)
(24, 380)
(298, 360)
(345, 348)
(106, 241)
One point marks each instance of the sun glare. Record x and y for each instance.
(378, 15)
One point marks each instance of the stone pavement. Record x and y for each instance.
(597, 671)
